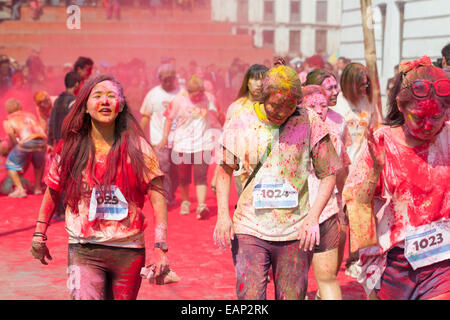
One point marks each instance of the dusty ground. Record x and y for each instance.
(206, 271)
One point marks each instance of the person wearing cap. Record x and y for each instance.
(193, 111)
(274, 224)
(153, 107)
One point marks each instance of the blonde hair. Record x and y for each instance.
(41, 96)
(282, 78)
(13, 105)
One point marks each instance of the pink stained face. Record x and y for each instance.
(424, 118)
(86, 72)
(362, 87)
(255, 86)
(103, 104)
(196, 96)
(279, 107)
(332, 89)
(317, 102)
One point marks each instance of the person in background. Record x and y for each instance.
(60, 110)
(28, 140)
(390, 82)
(340, 136)
(356, 106)
(153, 107)
(340, 65)
(83, 66)
(5, 75)
(43, 108)
(251, 91)
(112, 9)
(15, 9)
(446, 59)
(36, 6)
(193, 111)
(36, 69)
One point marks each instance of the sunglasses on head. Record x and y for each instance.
(422, 88)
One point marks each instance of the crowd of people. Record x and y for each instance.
(311, 157)
(112, 7)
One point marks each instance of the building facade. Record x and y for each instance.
(404, 30)
(286, 26)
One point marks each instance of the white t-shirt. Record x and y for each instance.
(155, 104)
(191, 130)
(358, 119)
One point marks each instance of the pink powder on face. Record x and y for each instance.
(425, 118)
(317, 102)
(427, 108)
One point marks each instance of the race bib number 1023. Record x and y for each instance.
(428, 244)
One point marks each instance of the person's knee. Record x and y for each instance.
(326, 277)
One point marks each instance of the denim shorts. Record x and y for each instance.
(19, 156)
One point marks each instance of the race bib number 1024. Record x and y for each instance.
(273, 193)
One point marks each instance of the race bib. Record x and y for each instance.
(428, 244)
(273, 193)
(112, 206)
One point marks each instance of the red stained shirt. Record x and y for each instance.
(413, 191)
(128, 232)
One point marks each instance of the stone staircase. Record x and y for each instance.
(141, 33)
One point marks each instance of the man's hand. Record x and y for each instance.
(224, 232)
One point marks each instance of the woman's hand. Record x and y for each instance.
(224, 232)
(309, 233)
(377, 152)
(39, 250)
(160, 262)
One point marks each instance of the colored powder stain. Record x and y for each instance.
(241, 286)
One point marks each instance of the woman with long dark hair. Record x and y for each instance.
(106, 167)
(356, 105)
(397, 193)
(249, 93)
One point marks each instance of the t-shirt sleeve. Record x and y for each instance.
(153, 169)
(53, 176)
(232, 138)
(146, 108)
(325, 159)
